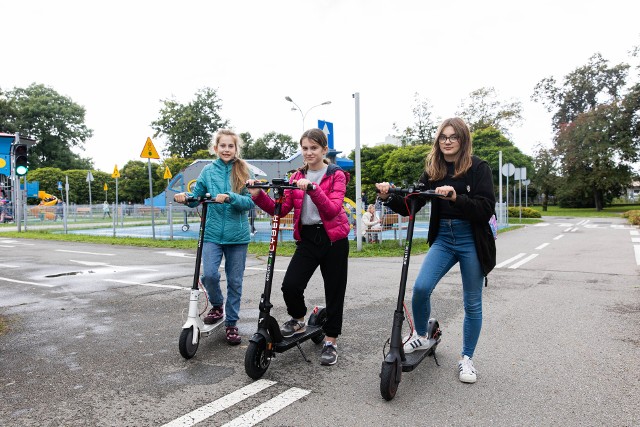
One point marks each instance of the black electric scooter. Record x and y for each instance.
(396, 361)
(194, 327)
(268, 339)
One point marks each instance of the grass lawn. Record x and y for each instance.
(610, 211)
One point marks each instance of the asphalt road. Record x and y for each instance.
(93, 340)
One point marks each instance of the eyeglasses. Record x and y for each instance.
(443, 138)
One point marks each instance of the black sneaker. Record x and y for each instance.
(292, 327)
(329, 355)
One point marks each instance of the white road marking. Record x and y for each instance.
(176, 254)
(117, 267)
(573, 230)
(8, 266)
(541, 224)
(262, 269)
(155, 285)
(527, 259)
(635, 233)
(635, 240)
(268, 408)
(637, 250)
(6, 279)
(7, 246)
(567, 229)
(82, 252)
(90, 263)
(503, 263)
(204, 412)
(542, 246)
(558, 237)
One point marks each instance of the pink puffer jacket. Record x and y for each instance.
(328, 197)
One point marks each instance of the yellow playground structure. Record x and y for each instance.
(46, 209)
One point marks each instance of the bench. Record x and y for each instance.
(83, 211)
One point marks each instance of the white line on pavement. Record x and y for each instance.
(262, 269)
(6, 279)
(82, 252)
(527, 259)
(155, 285)
(567, 230)
(8, 266)
(503, 263)
(541, 224)
(7, 246)
(637, 250)
(542, 246)
(558, 237)
(268, 408)
(573, 230)
(635, 240)
(204, 412)
(634, 232)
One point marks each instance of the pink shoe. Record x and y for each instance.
(232, 335)
(214, 315)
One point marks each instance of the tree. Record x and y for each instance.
(189, 128)
(134, 181)
(272, 145)
(482, 109)
(597, 137)
(423, 130)
(55, 121)
(545, 174)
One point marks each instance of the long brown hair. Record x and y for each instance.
(317, 136)
(240, 170)
(435, 165)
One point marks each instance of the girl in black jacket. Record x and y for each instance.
(458, 233)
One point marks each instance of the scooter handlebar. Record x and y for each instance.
(416, 190)
(206, 198)
(281, 185)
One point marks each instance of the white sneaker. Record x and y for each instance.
(416, 342)
(467, 371)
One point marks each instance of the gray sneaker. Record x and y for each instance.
(329, 355)
(292, 327)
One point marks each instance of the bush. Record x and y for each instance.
(632, 216)
(526, 213)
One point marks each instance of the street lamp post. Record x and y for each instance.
(304, 115)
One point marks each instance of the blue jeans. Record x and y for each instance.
(454, 243)
(234, 262)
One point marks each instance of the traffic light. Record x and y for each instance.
(20, 156)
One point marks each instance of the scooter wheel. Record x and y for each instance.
(388, 383)
(187, 348)
(185, 227)
(256, 360)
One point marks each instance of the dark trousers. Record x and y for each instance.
(315, 249)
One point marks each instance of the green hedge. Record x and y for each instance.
(526, 213)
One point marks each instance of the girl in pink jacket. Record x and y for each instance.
(321, 228)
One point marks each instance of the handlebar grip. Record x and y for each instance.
(191, 199)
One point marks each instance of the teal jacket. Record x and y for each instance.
(227, 223)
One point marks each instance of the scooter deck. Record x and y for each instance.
(413, 359)
(287, 343)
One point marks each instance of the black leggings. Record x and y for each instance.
(315, 249)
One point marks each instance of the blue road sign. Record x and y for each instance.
(327, 128)
(59, 185)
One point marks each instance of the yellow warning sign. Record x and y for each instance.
(115, 173)
(149, 151)
(167, 173)
(105, 187)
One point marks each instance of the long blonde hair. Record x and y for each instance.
(435, 165)
(240, 170)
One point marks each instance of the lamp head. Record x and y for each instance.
(288, 98)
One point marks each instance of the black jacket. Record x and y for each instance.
(477, 207)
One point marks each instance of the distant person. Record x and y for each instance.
(372, 225)
(226, 228)
(105, 209)
(321, 230)
(459, 232)
(365, 200)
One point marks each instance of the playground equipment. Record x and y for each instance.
(46, 209)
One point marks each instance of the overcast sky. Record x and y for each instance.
(118, 59)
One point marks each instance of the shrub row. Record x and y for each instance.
(632, 216)
(514, 212)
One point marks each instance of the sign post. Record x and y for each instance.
(149, 152)
(89, 179)
(116, 175)
(508, 169)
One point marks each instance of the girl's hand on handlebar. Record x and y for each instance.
(383, 189)
(445, 190)
(180, 198)
(303, 184)
(222, 198)
(253, 191)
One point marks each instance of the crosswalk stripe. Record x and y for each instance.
(221, 404)
(268, 408)
(503, 263)
(527, 259)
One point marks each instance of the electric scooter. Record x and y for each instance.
(268, 340)
(194, 328)
(396, 360)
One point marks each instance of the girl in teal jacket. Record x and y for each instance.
(226, 230)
